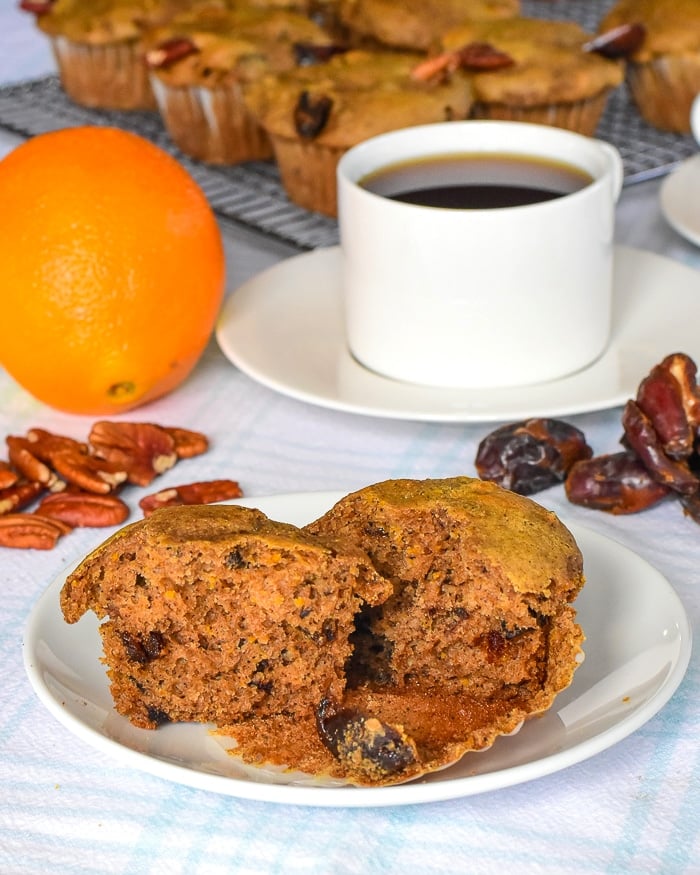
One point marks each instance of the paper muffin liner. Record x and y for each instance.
(581, 116)
(111, 76)
(211, 124)
(664, 89)
(308, 173)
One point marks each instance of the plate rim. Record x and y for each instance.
(416, 792)
(456, 409)
(667, 194)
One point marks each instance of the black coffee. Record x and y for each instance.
(476, 182)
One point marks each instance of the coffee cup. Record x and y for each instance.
(695, 118)
(478, 293)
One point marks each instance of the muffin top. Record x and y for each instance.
(548, 61)
(355, 95)
(105, 21)
(534, 549)
(211, 46)
(415, 24)
(672, 27)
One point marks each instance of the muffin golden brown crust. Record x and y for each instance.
(98, 49)
(551, 80)
(213, 613)
(200, 94)
(361, 94)
(664, 72)
(415, 24)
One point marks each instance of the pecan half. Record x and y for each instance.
(187, 443)
(618, 42)
(19, 495)
(84, 509)
(46, 443)
(21, 454)
(36, 7)
(205, 492)
(170, 51)
(311, 114)
(87, 472)
(30, 531)
(477, 57)
(8, 476)
(141, 449)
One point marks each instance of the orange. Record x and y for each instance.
(111, 269)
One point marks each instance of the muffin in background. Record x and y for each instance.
(531, 70)
(415, 24)
(663, 73)
(314, 114)
(199, 63)
(98, 48)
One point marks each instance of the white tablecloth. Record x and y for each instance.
(65, 807)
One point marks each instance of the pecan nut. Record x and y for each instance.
(84, 509)
(170, 51)
(188, 443)
(19, 495)
(8, 476)
(141, 449)
(619, 42)
(30, 531)
(205, 492)
(22, 456)
(87, 472)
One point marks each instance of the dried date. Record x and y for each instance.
(311, 114)
(532, 455)
(669, 397)
(618, 483)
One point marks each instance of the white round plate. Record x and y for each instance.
(680, 199)
(284, 328)
(637, 647)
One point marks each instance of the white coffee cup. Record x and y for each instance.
(478, 297)
(695, 119)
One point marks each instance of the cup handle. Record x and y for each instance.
(618, 170)
(695, 119)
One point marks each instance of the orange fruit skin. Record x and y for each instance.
(112, 269)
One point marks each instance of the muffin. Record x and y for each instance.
(483, 581)
(98, 49)
(214, 613)
(415, 24)
(537, 71)
(314, 114)
(663, 73)
(200, 63)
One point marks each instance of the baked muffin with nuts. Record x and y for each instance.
(531, 70)
(314, 114)
(200, 62)
(98, 47)
(415, 24)
(663, 71)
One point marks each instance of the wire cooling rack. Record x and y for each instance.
(251, 194)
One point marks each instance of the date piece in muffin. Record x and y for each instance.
(544, 73)
(663, 73)
(316, 113)
(200, 63)
(216, 613)
(414, 24)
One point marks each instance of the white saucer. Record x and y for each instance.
(638, 644)
(284, 328)
(680, 199)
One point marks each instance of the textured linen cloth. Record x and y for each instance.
(66, 807)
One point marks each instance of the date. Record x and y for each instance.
(531, 455)
(617, 483)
